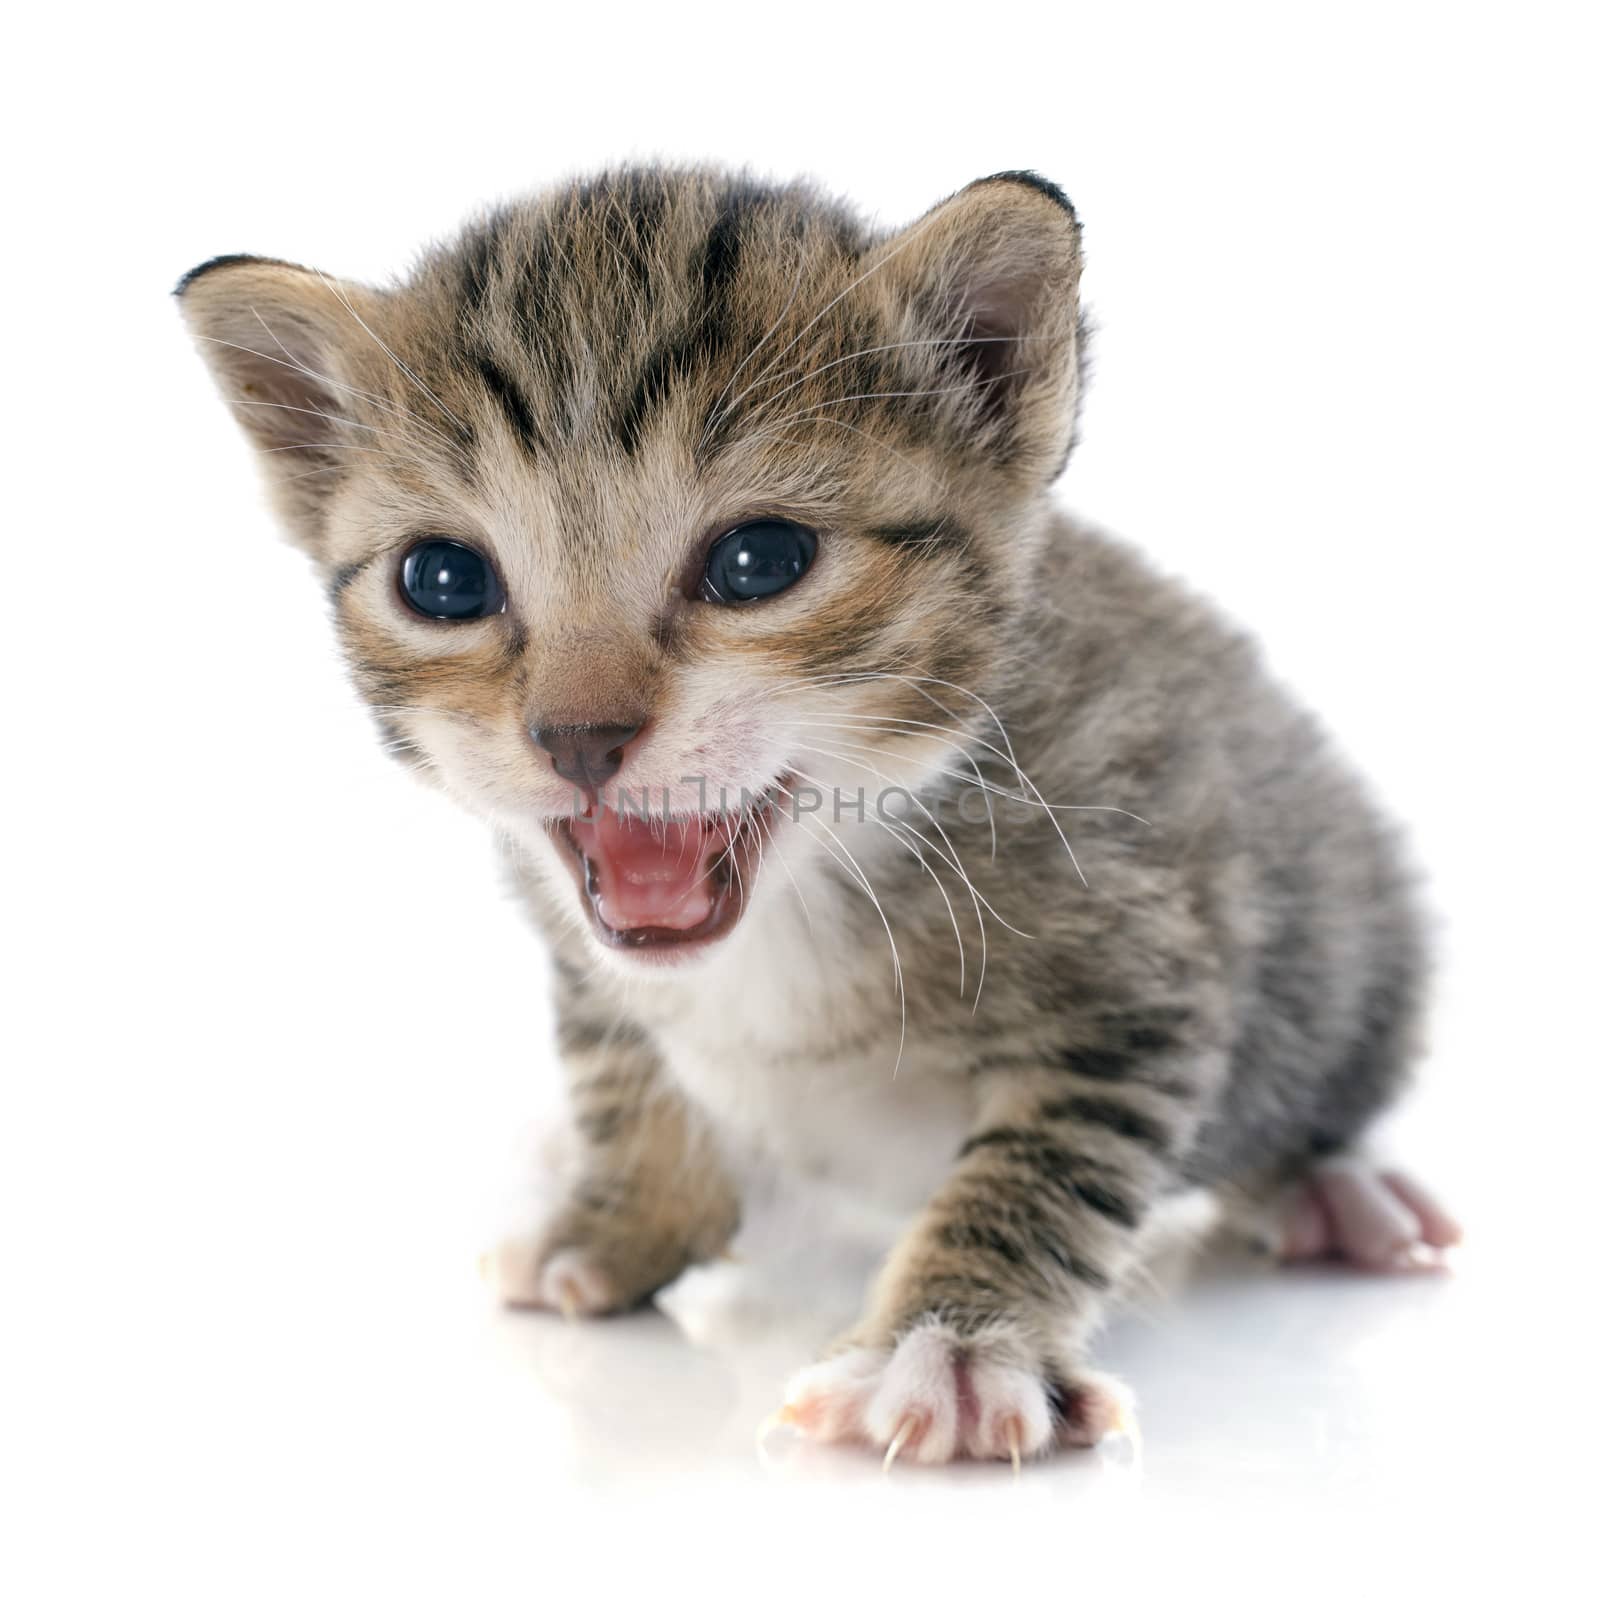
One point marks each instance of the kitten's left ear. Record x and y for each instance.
(991, 275)
(281, 342)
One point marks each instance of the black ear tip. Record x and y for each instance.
(1032, 180)
(211, 266)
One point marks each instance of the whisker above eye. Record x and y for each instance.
(360, 449)
(290, 363)
(321, 447)
(325, 416)
(713, 420)
(855, 283)
(809, 373)
(337, 293)
(907, 394)
(909, 237)
(939, 483)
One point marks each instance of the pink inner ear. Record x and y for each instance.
(274, 372)
(283, 395)
(998, 312)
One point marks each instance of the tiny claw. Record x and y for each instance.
(1124, 1422)
(1013, 1436)
(907, 1428)
(783, 1417)
(567, 1301)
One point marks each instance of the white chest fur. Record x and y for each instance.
(791, 1046)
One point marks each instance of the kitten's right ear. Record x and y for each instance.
(280, 341)
(987, 283)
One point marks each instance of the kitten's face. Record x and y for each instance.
(669, 492)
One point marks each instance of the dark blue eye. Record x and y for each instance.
(757, 560)
(451, 581)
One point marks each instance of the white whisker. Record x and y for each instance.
(902, 394)
(775, 431)
(960, 750)
(855, 283)
(295, 365)
(714, 419)
(856, 355)
(338, 295)
(953, 857)
(880, 821)
(772, 839)
(854, 867)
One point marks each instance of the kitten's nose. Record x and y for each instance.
(587, 754)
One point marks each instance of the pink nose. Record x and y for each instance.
(587, 754)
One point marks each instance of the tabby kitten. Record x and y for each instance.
(881, 820)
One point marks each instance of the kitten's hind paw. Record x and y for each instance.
(935, 1397)
(1375, 1218)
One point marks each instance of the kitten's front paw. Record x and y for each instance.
(936, 1396)
(594, 1258)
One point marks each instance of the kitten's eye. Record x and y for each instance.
(451, 581)
(757, 560)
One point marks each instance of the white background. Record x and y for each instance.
(272, 1030)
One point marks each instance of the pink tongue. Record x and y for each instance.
(650, 874)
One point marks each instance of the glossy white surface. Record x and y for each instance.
(372, 1424)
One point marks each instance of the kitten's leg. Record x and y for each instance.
(975, 1338)
(650, 1197)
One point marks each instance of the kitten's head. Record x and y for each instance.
(669, 483)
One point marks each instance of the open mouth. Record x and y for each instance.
(661, 883)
